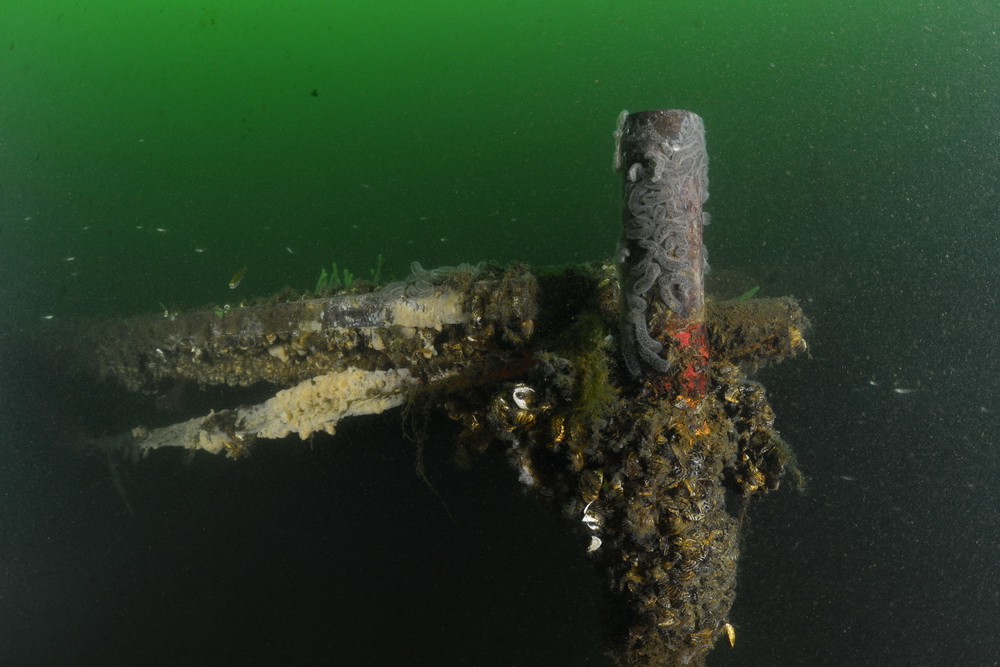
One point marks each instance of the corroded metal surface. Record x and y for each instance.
(619, 395)
(646, 473)
(428, 327)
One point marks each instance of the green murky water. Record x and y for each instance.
(150, 150)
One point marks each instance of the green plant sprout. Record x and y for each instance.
(334, 280)
(343, 279)
(376, 273)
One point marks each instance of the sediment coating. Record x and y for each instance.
(662, 158)
(318, 404)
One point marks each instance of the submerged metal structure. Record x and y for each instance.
(620, 396)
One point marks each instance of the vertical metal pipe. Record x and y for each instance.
(664, 165)
(674, 544)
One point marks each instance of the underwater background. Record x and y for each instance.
(151, 150)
